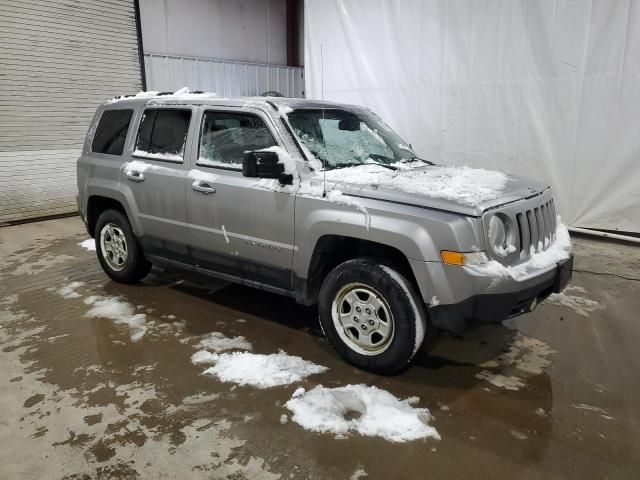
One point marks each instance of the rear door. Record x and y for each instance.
(238, 225)
(154, 177)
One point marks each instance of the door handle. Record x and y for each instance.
(202, 187)
(134, 175)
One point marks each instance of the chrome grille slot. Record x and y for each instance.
(553, 218)
(541, 232)
(533, 229)
(545, 222)
(523, 233)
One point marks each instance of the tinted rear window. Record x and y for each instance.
(111, 132)
(163, 133)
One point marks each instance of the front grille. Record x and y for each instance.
(536, 227)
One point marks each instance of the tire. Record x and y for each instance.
(128, 264)
(389, 333)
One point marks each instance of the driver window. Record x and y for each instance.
(225, 136)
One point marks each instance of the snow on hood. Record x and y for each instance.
(472, 188)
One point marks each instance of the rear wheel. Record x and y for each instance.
(118, 250)
(372, 315)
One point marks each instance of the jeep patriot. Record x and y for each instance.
(321, 202)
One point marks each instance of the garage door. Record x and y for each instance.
(59, 59)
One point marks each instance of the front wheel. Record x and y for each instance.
(372, 315)
(118, 250)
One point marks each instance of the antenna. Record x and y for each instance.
(324, 141)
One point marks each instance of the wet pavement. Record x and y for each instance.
(552, 394)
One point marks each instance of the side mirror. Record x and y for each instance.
(260, 164)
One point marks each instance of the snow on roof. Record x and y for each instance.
(183, 93)
(282, 104)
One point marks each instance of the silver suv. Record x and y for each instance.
(321, 202)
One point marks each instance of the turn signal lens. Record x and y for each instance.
(452, 258)
(459, 258)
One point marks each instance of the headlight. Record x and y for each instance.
(500, 235)
(497, 232)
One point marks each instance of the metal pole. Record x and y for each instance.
(598, 233)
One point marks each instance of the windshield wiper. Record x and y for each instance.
(416, 159)
(348, 165)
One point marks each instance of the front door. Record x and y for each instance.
(238, 225)
(154, 178)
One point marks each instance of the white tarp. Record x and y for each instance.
(545, 89)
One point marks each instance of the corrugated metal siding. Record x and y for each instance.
(226, 78)
(59, 60)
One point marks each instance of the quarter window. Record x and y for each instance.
(163, 134)
(111, 132)
(226, 136)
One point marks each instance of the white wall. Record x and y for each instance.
(242, 30)
(548, 89)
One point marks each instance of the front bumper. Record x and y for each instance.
(497, 307)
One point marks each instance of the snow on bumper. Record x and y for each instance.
(492, 292)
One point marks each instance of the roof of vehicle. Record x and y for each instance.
(184, 96)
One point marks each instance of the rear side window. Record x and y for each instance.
(163, 134)
(226, 136)
(111, 132)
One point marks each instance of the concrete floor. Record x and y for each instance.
(79, 399)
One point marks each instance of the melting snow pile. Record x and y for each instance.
(261, 371)
(377, 413)
(580, 304)
(69, 291)
(526, 356)
(465, 185)
(218, 342)
(89, 244)
(120, 312)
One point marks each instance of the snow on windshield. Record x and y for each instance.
(341, 138)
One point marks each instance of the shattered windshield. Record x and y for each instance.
(341, 138)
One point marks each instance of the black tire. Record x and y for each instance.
(407, 309)
(136, 266)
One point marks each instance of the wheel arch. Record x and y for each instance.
(98, 203)
(331, 250)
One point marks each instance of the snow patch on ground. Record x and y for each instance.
(525, 356)
(519, 435)
(358, 474)
(69, 291)
(89, 244)
(218, 342)
(578, 303)
(261, 371)
(120, 312)
(590, 408)
(501, 381)
(378, 413)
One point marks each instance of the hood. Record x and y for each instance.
(464, 190)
